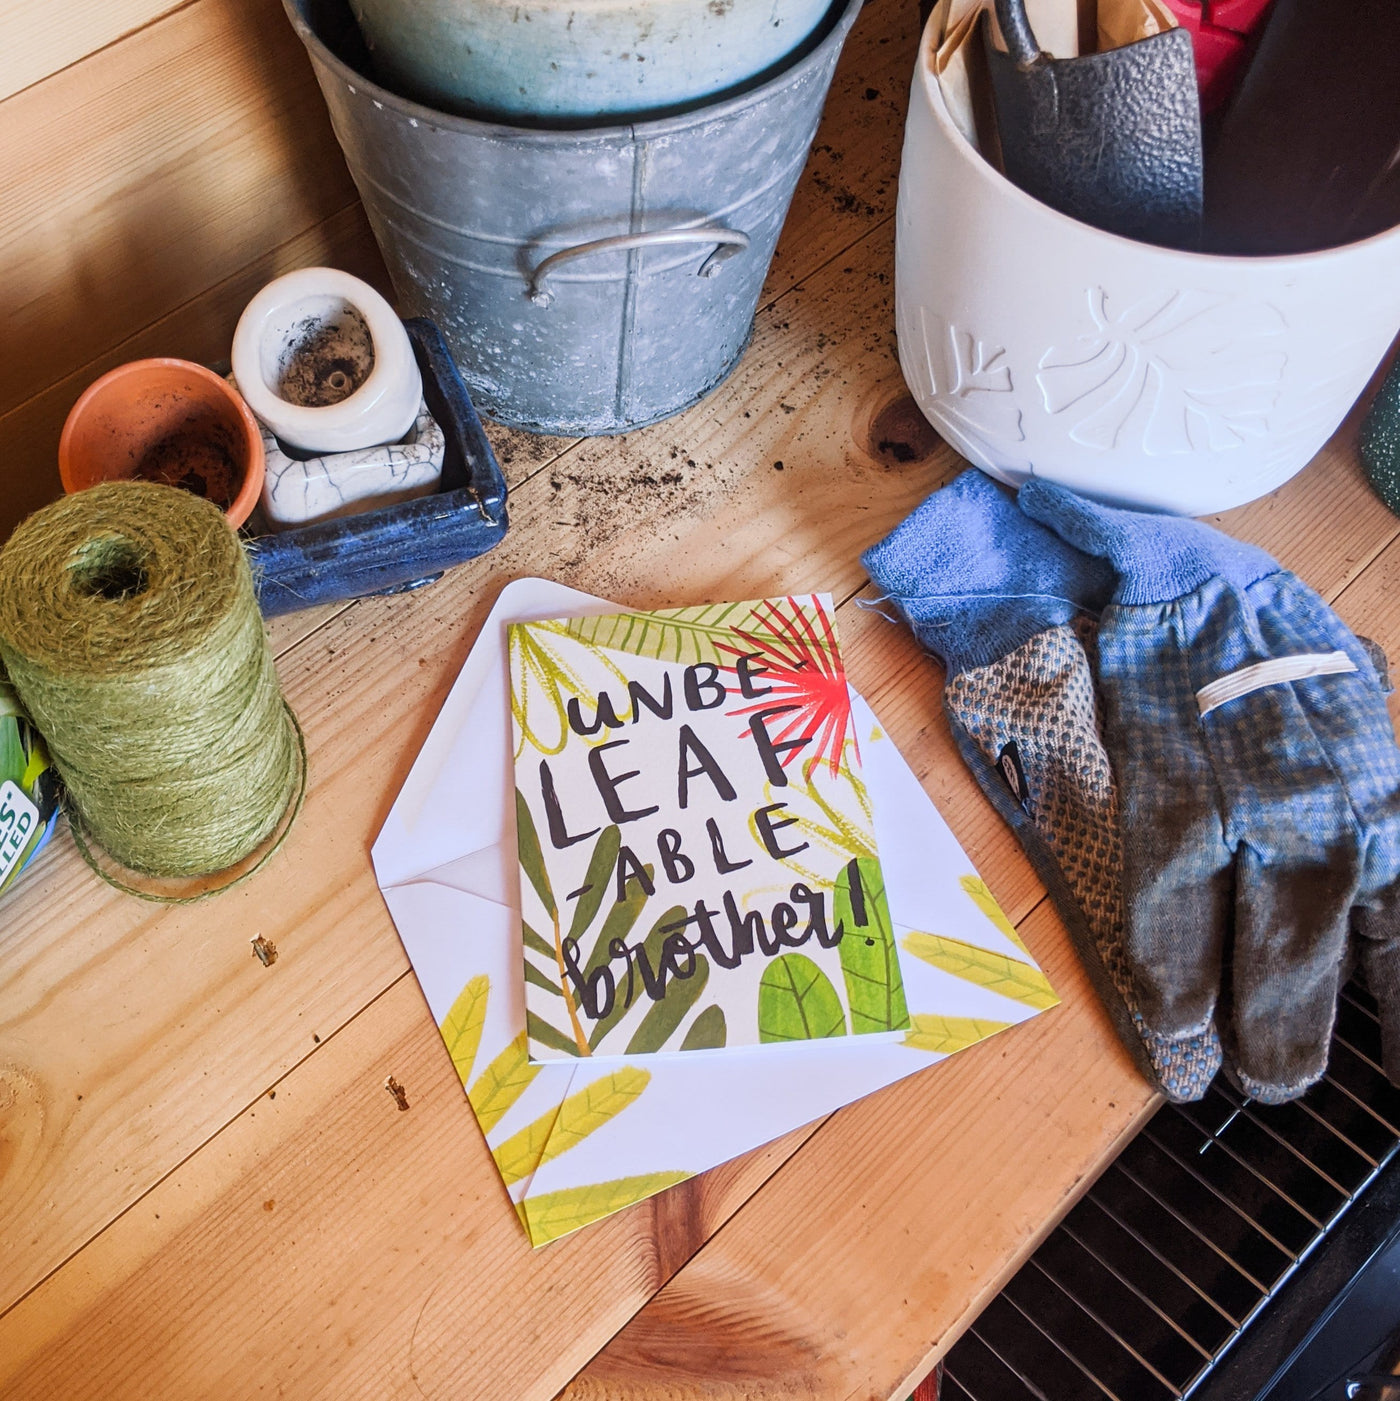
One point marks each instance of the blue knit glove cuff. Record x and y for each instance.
(976, 578)
(1157, 558)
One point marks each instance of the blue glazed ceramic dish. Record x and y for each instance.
(406, 545)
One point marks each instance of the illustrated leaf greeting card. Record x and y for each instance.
(697, 850)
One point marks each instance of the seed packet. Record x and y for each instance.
(28, 789)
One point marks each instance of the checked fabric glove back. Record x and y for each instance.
(1259, 785)
(1002, 601)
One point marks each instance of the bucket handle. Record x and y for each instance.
(728, 242)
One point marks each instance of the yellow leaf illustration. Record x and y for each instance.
(502, 1083)
(593, 1106)
(523, 1152)
(948, 1034)
(461, 1027)
(1019, 981)
(557, 1213)
(560, 1129)
(985, 901)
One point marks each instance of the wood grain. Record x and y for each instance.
(425, 1251)
(169, 1228)
(161, 1019)
(40, 39)
(142, 176)
(860, 1260)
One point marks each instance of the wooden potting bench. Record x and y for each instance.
(205, 1190)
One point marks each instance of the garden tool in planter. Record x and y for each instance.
(1003, 602)
(1112, 138)
(1259, 784)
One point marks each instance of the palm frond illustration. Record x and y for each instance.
(542, 680)
(555, 1214)
(796, 645)
(669, 635)
(549, 969)
(944, 1035)
(1009, 977)
(977, 891)
(569, 1123)
(461, 1027)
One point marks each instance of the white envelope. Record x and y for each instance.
(576, 1140)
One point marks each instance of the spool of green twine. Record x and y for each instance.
(131, 632)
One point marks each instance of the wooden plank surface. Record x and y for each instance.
(40, 39)
(204, 1188)
(138, 178)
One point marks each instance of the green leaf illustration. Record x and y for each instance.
(541, 1031)
(1022, 982)
(502, 1083)
(535, 942)
(597, 882)
(671, 634)
(543, 981)
(461, 1027)
(651, 946)
(796, 1001)
(869, 958)
(555, 1214)
(531, 858)
(949, 1034)
(707, 1031)
(665, 1016)
(985, 901)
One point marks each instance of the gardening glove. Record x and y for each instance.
(1260, 791)
(1000, 599)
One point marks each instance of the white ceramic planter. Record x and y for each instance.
(325, 364)
(1143, 376)
(307, 491)
(577, 59)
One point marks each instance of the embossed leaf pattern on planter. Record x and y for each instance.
(796, 1002)
(1172, 372)
(966, 382)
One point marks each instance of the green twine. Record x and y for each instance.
(131, 632)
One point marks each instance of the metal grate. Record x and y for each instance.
(1182, 1242)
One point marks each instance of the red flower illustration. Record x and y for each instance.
(799, 663)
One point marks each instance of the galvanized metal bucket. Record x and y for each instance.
(588, 281)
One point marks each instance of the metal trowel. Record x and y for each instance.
(1112, 139)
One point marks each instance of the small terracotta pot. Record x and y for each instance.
(168, 421)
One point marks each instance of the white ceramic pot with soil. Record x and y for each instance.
(325, 363)
(578, 60)
(1143, 376)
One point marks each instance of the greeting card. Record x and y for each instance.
(695, 836)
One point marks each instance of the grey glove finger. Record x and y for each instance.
(1028, 729)
(1292, 919)
(1378, 931)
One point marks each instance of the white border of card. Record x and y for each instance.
(577, 1140)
